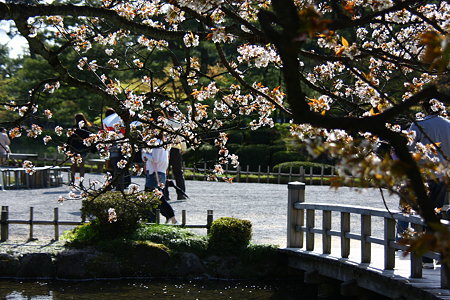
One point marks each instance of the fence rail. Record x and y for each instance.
(5, 221)
(301, 226)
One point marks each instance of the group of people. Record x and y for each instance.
(156, 161)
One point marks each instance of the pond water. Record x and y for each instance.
(161, 290)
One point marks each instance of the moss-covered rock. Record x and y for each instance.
(36, 265)
(145, 258)
(9, 265)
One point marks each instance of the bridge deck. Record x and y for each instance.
(371, 276)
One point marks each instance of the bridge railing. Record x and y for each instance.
(301, 230)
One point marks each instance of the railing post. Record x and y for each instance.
(345, 228)
(209, 220)
(4, 231)
(268, 174)
(310, 221)
(389, 237)
(295, 217)
(326, 226)
(416, 260)
(366, 231)
(55, 220)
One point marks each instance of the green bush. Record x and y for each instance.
(229, 236)
(129, 208)
(175, 238)
(296, 165)
(254, 156)
(263, 135)
(286, 156)
(86, 234)
(204, 153)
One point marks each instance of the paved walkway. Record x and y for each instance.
(265, 205)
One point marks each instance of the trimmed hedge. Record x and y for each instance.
(296, 165)
(286, 156)
(129, 208)
(229, 236)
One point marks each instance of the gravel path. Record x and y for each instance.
(265, 205)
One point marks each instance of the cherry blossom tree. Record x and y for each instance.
(351, 75)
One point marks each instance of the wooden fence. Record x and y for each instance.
(265, 175)
(5, 221)
(298, 229)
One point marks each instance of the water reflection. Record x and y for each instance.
(161, 290)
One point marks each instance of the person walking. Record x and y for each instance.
(4, 146)
(176, 162)
(121, 177)
(156, 161)
(77, 146)
(435, 130)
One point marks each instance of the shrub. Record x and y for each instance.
(175, 238)
(286, 156)
(229, 236)
(85, 234)
(129, 208)
(254, 156)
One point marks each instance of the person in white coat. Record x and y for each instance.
(156, 161)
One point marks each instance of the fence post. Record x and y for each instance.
(310, 175)
(295, 217)
(183, 218)
(268, 174)
(321, 175)
(259, 172)
(238, 173)
(157, 216)
(279, 175)
(205, 176)
(302, 172)
(55, 220)
(31, 223)
(246, 178)
(209, 220)
(4, 232)
(290, 173)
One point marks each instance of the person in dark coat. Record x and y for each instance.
(77, 146)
